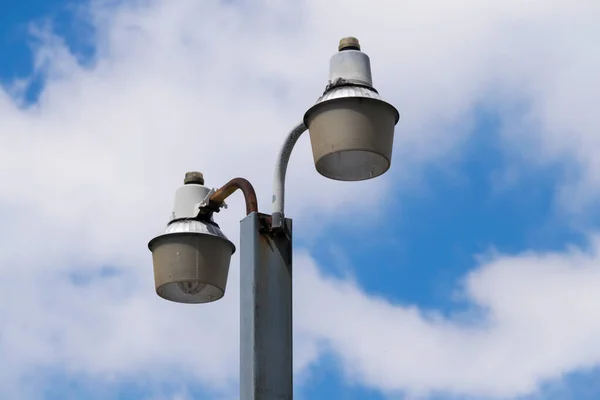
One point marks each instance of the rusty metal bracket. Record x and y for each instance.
(266, 227)
(216, 198)
(230, 187)
(265, 223)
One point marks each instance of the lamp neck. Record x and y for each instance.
(279, 177)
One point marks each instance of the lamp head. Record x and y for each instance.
(191, 257)
(351, 127)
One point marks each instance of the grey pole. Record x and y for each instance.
(266, 345)
(266, 371)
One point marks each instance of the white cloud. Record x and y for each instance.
(533, 320)
(88, 174)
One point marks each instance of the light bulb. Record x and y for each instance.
(191, 287)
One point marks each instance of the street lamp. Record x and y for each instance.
(351, 132)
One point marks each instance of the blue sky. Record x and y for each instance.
(467, 272)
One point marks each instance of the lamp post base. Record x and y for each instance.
(266, 371)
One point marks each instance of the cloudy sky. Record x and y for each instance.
(471, 270)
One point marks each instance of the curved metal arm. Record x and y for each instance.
(227, 190)
(280, 170)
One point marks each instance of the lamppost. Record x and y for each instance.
(351, 132)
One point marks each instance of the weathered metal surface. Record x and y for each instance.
(265, 311)
(230, 187)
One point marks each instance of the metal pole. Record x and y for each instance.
(265, 310)
(266, 345)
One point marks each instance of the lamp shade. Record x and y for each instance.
(191, 261)
(351, 133)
